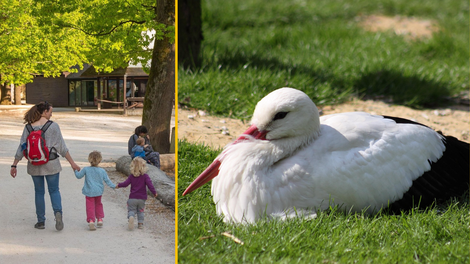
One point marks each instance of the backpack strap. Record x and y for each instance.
(29, 127)
(46, 126)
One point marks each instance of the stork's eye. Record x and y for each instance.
(280, 115)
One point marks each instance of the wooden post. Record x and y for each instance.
(118, 93)
(99, 93)
(124, 105)
(172, 141)
(12, 92)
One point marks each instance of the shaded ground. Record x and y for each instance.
(153, 208)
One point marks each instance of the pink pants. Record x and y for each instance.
(94, 208)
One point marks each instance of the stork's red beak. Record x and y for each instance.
(213, 170)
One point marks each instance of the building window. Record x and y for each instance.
(83, 93)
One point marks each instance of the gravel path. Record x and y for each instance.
(83, 132)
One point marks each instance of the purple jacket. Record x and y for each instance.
(138, 186)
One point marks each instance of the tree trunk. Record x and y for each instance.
(189, 33)
(5, 94)
(160, 92)
(18, 89)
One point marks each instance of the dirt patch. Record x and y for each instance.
(409, 27)
(197, 127)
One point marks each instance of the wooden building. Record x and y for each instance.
(87, 88)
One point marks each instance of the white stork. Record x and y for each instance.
(292, 162)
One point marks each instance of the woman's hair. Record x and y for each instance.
(139, 141)
(138, 167)
(35, 112)
(140, 129)
(94, 158)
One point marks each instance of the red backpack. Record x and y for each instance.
(36, 150)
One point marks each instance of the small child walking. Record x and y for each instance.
(138, 149)
(139, 182)
(93, 189)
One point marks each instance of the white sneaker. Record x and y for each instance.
(131, 223)
(92, 226)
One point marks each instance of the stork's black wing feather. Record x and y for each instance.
(449, 176)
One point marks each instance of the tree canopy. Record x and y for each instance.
(48, 37)
(28, 47)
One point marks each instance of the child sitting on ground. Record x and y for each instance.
(93, 189)
(138, 149)
(139, 182)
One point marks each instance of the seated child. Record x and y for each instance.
(93, 189)
(138, 149)
(139, 182)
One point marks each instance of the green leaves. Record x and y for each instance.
(48, 37)
(28, 46)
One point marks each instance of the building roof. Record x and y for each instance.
(76, 75)
(89, 71)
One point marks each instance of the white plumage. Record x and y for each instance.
(291, 161)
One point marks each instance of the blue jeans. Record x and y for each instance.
(39, 190)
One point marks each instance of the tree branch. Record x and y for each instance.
(151, 7)
(103, 33)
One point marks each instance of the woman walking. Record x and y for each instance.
(37, 118)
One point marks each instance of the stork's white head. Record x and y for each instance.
(286, 113)
(286, 116)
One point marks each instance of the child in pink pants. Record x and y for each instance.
(93, 189)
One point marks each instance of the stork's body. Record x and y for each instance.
(297, 163)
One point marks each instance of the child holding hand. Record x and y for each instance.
(139, 182)
(93, 189)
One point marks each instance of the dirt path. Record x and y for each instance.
(83, 132)
(198, 127)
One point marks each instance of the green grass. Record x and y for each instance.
(431, 236)
(253, 47)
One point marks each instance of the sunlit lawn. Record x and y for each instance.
(253, 47)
